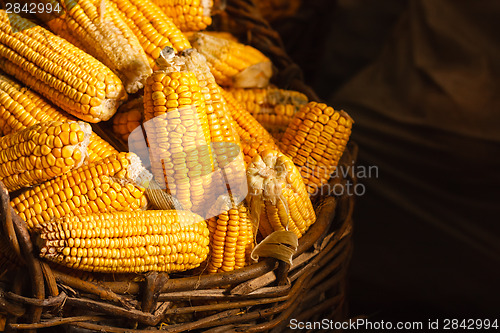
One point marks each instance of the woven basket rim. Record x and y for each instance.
(43, 277)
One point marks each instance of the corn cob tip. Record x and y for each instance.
(137, 172)
(278, 197)
(106, 110)
(88, 90)
(233, 63)
(135, 79)
(42, 151)
(167, 58)
(264, 176)
(207, 7)
(186, 52)
(256, 75)
(83, 146)
(159, 199)
(347, 116)
(223, 203)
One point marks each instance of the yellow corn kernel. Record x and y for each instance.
(62, 72)
(188, 15)
(111, 177)
(22, 152)
(123, 242)
(232, 63)
(128, 117)
(225, 140)
(277, 191)
(254, 138)
(178, 133)
(21, 107)
(153, 28)
(274, 108)
(231, 236)
(99, 30)
(315, 140)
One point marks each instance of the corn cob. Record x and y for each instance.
(272, 107)
(255, 98)
(220, 34)
(277, 195)
(21, 107)
(233, 63)
(128, 117)
(42, 152)
(74, 80)
(315, 140)
(247, 126)
(225, 141)
(121, 242)
(231, 237)
(153, 28)
(178, 134)
(114, 183)
(99, 148)
(101, 32)
(188, 15)
(251, 148)
(254, 138)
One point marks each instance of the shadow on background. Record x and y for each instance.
(420, 79)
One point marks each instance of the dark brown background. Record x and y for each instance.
(421, 80)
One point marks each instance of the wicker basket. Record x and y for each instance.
(256, 298)
(262, 297)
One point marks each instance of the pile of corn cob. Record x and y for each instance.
(204, 127)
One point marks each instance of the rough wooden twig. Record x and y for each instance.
(50, 279)
(10, 308)
(34, 266)
(116, 311)
(6, 220)
(154, 283)
(168, 329)
(90, 287)
(222, 294)
(54, 322)
(51, 301)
